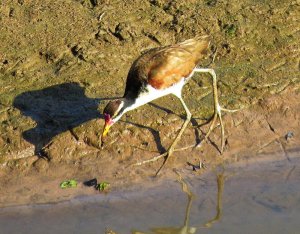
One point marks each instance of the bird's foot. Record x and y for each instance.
(230, 110)
(165, 155)
(217, 114)
(151, 160)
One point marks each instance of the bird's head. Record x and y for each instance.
(112, 113)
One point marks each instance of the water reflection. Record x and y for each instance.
(220, 183)
(259, 198)
(186, 228)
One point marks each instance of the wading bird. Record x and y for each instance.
(159, 72)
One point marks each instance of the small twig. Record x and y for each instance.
(101, 16)
(202, 165)
(213, 57)
(47, 145)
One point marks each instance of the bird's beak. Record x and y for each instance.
(106, 129)
(108, 123)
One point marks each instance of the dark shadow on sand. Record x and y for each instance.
(60, 108)
(55, 109)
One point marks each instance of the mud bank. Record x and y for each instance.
(59, 62)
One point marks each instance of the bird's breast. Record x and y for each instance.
(150, 93)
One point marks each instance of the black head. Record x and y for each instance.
(112, 113)
(113, 108)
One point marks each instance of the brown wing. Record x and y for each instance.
(173, 63)
(162, 67)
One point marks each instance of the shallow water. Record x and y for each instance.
(254, 198)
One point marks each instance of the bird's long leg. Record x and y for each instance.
(217, 107)
(186, 122)
(171, 149)
(217, 114)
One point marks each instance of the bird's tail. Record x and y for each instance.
(198, 45)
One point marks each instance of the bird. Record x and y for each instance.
(159, 72)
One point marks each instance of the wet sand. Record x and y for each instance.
(56, 76)
(253, 197)
(269, 128)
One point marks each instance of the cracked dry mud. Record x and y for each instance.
(60, 61)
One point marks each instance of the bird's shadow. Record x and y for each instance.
(60, 108)
(183, 117)
(155, 134)
(55, 109)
